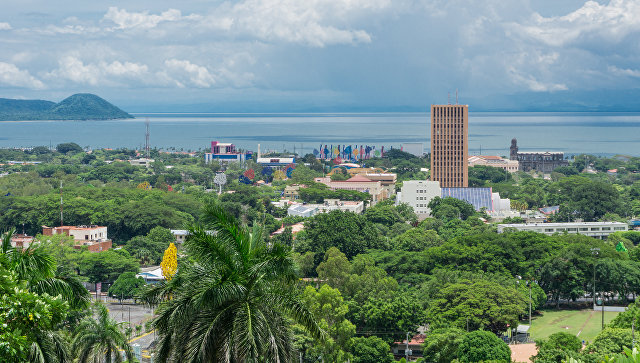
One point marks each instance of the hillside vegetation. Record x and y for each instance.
(81, 106)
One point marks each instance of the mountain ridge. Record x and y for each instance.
(80, 106)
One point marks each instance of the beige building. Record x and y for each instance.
(94, 237)
(495, 161)
(359, 183)
(449, 145)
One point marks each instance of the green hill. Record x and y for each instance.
(81, 106)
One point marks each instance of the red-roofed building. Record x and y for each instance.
(94, 237)
(415, 347)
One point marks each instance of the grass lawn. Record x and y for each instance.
(584, 323)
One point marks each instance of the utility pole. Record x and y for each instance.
(406, 352)
(529, 305)
(633, 334)
(594, 252)
(61, 203)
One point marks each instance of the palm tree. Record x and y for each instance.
(232, 300)
(100, 338)
(37, 270)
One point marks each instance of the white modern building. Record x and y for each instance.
(309, 210)
(418, 194)
(600, 230)
(141, 162)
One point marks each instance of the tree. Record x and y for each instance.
(106, 266)
(349, 232)
(557, 347)
(28, 321)
(169, 262)
(232, 299)
(329, 308)
(370, 350)
(611, 341)
(417, 239)
(457, 207)
(68, 147)
(441, 345)
(126, 286)
(100, 338)
(335, 269)
(480, 345)
(477, 304)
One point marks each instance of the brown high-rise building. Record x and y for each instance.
(449, 145)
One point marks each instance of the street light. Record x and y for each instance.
(594, 252)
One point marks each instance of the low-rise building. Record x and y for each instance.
(359, 183)
(418, 194)
(276, 162)
(291, 192)
(141, 162)
(225, 152)
(92, 236)
(310, 210)
(387, 180)
(600, 230)
(21, 241)
(495, 161)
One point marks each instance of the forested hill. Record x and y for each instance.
(81, 106)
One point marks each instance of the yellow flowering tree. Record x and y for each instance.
(169, 262)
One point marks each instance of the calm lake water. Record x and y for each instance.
(596, 133)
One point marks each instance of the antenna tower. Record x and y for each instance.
(146, 138)
(61, 204)
(456, 96)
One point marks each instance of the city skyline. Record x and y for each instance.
(324, 55)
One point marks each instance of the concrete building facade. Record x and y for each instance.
(600, 230)
(359, 183)
(542, 161)
(92, 236)
(495, 161)
(449, 145)
(418, 194)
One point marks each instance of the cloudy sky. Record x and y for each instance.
(324, 55)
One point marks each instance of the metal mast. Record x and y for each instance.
(61, 203)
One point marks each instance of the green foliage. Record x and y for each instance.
(441, 345)
(126, 286)
(106, 266)
(611, 341)
(233, 294)
(481, 175)
(328, 306)
(349, 232)
(100, 338)
(481, 304)
(150, 248)
(478, 346)
(68, 147)
(449, 208)
(416, 239)
(370, 350)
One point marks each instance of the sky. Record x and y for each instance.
(325, 55)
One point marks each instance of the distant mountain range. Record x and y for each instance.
(81, 106)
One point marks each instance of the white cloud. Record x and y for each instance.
(5, 26)
(533, 84)
(143, 20)
(14, 76)
(611, 22)
(624, 71)
(101, 73)
(184, 73)
(313, 22)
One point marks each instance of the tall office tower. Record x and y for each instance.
(449, 145)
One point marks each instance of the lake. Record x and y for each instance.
(490, 133)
